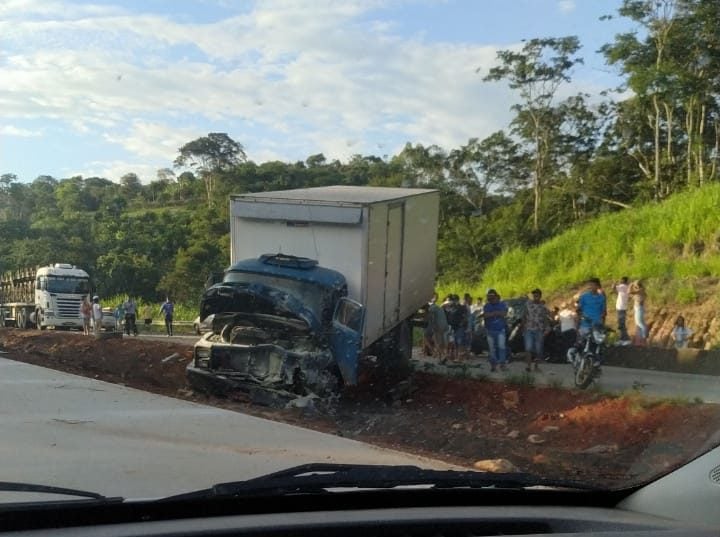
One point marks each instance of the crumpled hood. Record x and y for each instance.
(255, 298)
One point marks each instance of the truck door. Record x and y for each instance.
(346, 338)
(393, 265)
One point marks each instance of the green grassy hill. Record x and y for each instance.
(674, 245)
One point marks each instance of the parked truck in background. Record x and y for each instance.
(44, 297)
(319, 279)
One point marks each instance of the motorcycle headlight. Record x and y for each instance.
(599, 336)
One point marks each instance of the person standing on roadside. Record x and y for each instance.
(567, 317)
(680, 333)
(86, 311)
(637, 291)
(166, 310)
(621, 304)
(130, 316)
(449, 306)
(437, 329)
(459, 324)
(536, 324)
(494, 314)
(119, 314)
(97, 315)
(468, 303)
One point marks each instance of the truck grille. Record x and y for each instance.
(68, 307)
(261, 362)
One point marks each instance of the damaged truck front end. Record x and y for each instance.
(272, 326)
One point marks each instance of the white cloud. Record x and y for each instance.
(115, 169)
(308, 76)
(566, 6)
(10, 130)
(153, 140)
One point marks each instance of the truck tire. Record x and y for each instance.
(38, 320)
(20, 320)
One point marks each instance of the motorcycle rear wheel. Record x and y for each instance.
(584, 372)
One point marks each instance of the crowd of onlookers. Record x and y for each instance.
(458, 327)
(125, 315)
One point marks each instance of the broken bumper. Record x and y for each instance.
(219, 368)
(211, 383)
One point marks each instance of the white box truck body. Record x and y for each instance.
(383, 240)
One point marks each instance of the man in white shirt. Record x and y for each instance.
(621, 304)
(97, 315)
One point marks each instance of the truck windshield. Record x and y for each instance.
(68, 284)
(313, 296)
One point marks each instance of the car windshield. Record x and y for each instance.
(504, 216)
(312, 296)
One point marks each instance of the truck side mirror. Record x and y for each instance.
(350, 314)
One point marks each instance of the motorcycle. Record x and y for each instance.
(587, 356)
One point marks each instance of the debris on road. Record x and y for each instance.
(173, 356)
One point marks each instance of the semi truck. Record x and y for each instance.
(321, 280)
(44, 297)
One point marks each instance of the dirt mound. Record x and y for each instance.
(142, 364)
(547, 431)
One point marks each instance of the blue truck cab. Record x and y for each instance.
(280, 323)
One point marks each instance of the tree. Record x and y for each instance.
(670, 125)
(130, 185)
(482, 168)
(210, 155)
(537, 72)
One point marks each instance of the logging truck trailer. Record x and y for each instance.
(43, 297)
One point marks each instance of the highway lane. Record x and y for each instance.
(614, 379)
(71, 431)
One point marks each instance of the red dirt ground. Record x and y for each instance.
(577, 435)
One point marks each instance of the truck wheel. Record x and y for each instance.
(20, 319)
(38, 320)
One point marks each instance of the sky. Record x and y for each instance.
(107, 88)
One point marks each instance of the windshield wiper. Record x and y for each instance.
(9, 486)
(321, 478)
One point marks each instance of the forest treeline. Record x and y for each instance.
(561, 161)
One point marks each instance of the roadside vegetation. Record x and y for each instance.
(674, 245)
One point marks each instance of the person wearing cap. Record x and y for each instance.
(536, 324)
(97, 315)
(494, 314)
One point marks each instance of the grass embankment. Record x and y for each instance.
(673, 245)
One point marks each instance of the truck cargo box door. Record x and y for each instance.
(393, 265)
(346, 338)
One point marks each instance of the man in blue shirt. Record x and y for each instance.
(167, 309)
(592, 307)
(494, 313)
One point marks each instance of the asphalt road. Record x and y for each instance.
(613, 379)
(64, 430)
